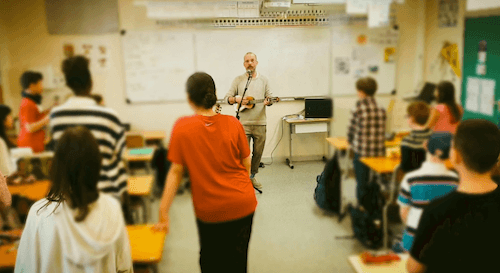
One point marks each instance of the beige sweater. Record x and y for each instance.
(259, 89)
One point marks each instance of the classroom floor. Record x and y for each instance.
(290, 233)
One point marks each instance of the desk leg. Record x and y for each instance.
(147, 206)
(343, 179)
(289, 160)
(327, 155)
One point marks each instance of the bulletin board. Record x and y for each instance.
(481, 68)
(358, 51)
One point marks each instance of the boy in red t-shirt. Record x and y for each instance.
(31, 117)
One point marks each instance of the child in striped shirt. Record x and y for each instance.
(412, 146)
(433, 180)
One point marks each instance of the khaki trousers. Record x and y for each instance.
(257, 133)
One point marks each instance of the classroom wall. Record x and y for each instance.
(30, 46)
(435, 37)
(4, 59)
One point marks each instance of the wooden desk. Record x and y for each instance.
(339, 143)
(8, 259)
(139, 188)
(140, 185)
(393, 143)
(385, 165)
(305, 126)
(154, 135)
(403, 133)
(342, 144)
(146, 247)
(360, 267)
(381, 165)
(139, 158)
(13, 233)
(34, 191)
(150, 136)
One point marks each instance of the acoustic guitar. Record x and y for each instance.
(252, 101)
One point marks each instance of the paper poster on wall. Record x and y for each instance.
(378, 13)
(341, 37)
(481, 59)
(472, 99)
(487, 96)
(87, 50)
(362, 39)
(102, 57)
(342, 66)
(365, 55)
(357, 6)
(359, 73)
(389, 54)
(373, 69)
(450, 54)
(448, 13)
(481, 70)
(68, 50)
(482, 4)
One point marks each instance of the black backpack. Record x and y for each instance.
(367, 221)
(327, 192)
(161, 166)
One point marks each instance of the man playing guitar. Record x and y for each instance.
(253, 120)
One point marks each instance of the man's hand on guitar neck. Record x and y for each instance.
(268, 102)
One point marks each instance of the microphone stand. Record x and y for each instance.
(239, 107)
(244, 93)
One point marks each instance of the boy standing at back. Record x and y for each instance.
(412, 146)
(433, 180)
(366, 133)
(460, 232)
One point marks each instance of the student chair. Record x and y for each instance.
(135, 140)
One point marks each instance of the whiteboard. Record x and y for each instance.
(157, 65)
(295, 60)
(298, 61)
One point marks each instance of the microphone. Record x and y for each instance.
(250, 73)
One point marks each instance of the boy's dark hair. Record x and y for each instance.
(419, 111)
(478, 141)
(30, 77)
(77, 74)
(446, 95)
(75, 171)
(201, 90)
(367, 85)
(97, 98)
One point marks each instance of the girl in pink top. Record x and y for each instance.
(447, 114)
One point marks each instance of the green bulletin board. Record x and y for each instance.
(481, 68)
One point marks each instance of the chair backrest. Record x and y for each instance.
(135, 140)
